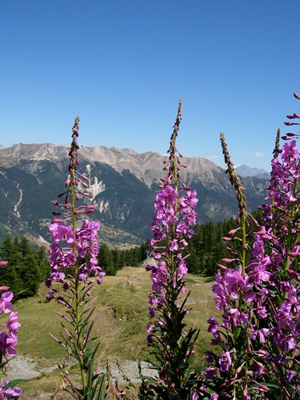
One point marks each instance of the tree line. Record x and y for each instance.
(28, 265)
(206, 249)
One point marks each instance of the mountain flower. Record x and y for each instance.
(8, 341)
(171, 227)
(74, 264)
(259, 297)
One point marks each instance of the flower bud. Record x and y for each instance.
(3, 263)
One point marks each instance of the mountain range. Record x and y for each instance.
(122, 186)
(244, 170)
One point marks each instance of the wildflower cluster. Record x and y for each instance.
(171, 229)
(260, 327)
(68, 248)
(8, 340)
(73, 260)
(73, 247)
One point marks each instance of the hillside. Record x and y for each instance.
(122, 187)
(122, 302)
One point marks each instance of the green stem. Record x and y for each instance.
(235, 181)
(78, 332)
(77, 325)
(244, 243)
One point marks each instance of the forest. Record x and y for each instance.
(28, 264)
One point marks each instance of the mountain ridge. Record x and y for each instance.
(122, 187)
(142, 165)
(244, 170)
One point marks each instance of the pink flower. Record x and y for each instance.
(261, 333)
(61, 233)
(209, 372)
(7, 343)
(62, 254)
(5, 302)
(9, 392)
(3, 263)
(181, 270)
(225, 361)
(173, 245)
(12, 324)
(213, 325)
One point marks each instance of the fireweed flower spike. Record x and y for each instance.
(229, 290)
(236, 183)
(260, 305)
(172, 347)
(74, 264)
(8, 340)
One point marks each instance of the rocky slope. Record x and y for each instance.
(122, 186)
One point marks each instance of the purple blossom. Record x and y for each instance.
(61, 233)
(9, 392)
(290, 375)
(235, 282)
(213, 325)
(259, 273)
(165, 198)
(225, 361)
(62, 255)
(12, 324)
(261, 334)
(289, 343)
(8, 340)
(5, 302)
(238, 317)
(210, 372)
(173, 245)
(159, 276)
(150, 328)
(182, 270)
(200, 393)
(174, 214)
(289, 154)
(261, 312)
(7, 344)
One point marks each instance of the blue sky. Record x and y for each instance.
(122, 65)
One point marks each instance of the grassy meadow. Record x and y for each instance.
(123, 302)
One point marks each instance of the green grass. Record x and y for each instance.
(123, 302)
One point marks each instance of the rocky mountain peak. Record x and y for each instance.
(123, 186)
